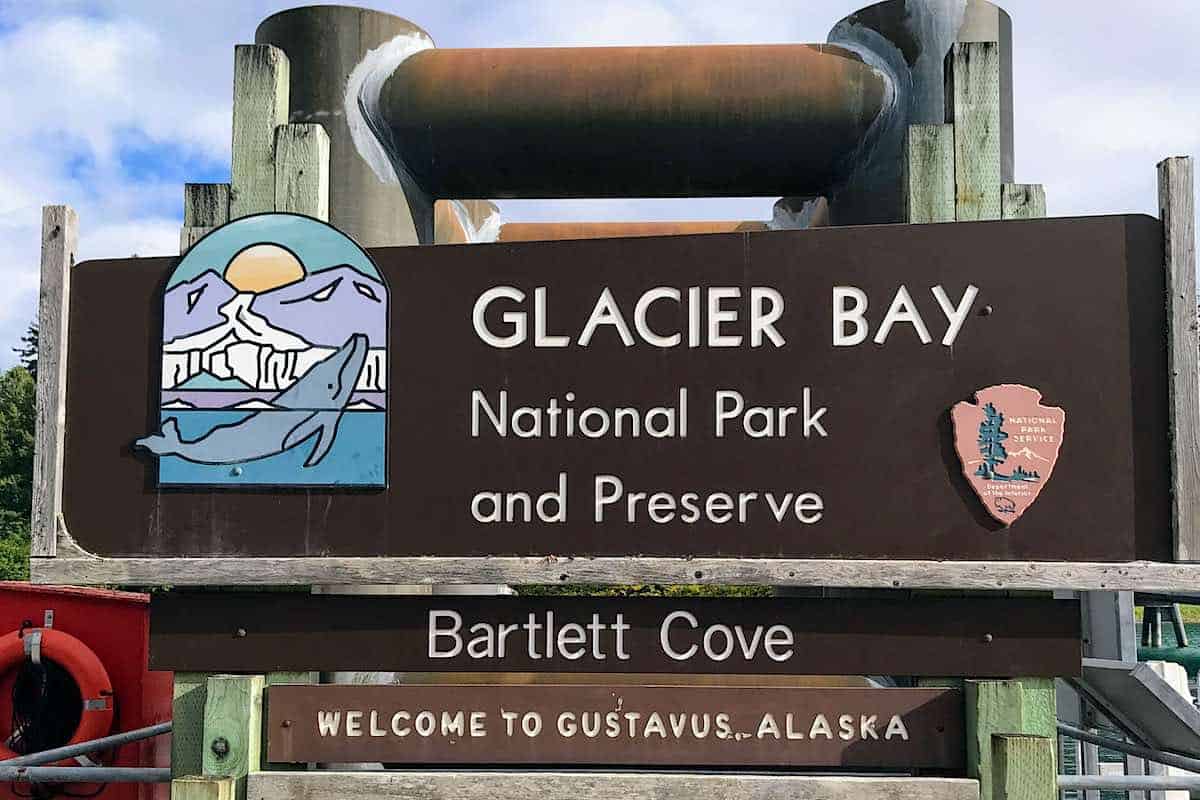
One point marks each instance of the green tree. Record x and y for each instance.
(27, 352)
(991, 442)
(17, 403)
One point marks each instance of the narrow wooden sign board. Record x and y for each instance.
(982, 637)
(636, 726)
(768, 395)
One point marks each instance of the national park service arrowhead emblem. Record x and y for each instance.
(1008, 443)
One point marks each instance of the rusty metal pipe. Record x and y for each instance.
(629, 121)
(551, 231)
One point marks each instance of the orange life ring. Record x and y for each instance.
(84, 667)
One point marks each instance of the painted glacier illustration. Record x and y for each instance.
(273, 360)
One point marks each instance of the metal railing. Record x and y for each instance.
(31, 768)
(1129, 783)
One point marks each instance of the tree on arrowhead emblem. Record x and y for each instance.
(991, 444)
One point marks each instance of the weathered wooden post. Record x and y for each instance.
(60, 241)
(1176, 201)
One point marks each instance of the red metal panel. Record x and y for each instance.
(116, 626)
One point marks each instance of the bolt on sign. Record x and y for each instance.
(902, 729)
(879, 392)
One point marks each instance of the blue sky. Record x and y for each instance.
(110, 105)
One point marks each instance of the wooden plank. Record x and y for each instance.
(282, 677)
(929, 173)
(256, 632)
(483, 785)
(630, 726)
(261, 77)
(60, 241)
(187, 728)
(1024, 768)
(302, 170)
(195, 787)
(205, 204)
(1176, 201)
(850, 573)
(1025, 706)
(233, 727)
(188, 236)
(205, 207)
(1022, 200)
(973, 107)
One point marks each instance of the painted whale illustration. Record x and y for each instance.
(312, 406)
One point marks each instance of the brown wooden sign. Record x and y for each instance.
(193, 631)
(770, 394)
(618, 726)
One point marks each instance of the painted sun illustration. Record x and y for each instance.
(262, 267)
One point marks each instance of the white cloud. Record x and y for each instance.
(96, 78)
(78, 90)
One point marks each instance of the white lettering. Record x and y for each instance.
(955, 315)
(436, 632)
(852, 315)
(514, 318)
(902, 310)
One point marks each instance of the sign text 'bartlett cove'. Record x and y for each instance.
(773, 394)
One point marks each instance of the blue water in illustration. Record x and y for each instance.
(356, 459)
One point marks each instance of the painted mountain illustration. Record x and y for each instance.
(327, 306)
(267, 340)
(193, 305)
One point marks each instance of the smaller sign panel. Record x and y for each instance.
(981, 637)
(634, 726)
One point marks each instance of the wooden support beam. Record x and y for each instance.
(60, 241)
(1023, 768)
(1176, 202)
(187, 723)
(1022, 706)
(302, 170)
(991, 576)
(512, 785)
(929, 173)
(1022, 200)
(232, 745)
(195, 787)
(973, 106)
(261, 80)
(205, 206)
(279, 678)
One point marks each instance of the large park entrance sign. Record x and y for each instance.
(769, 395)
